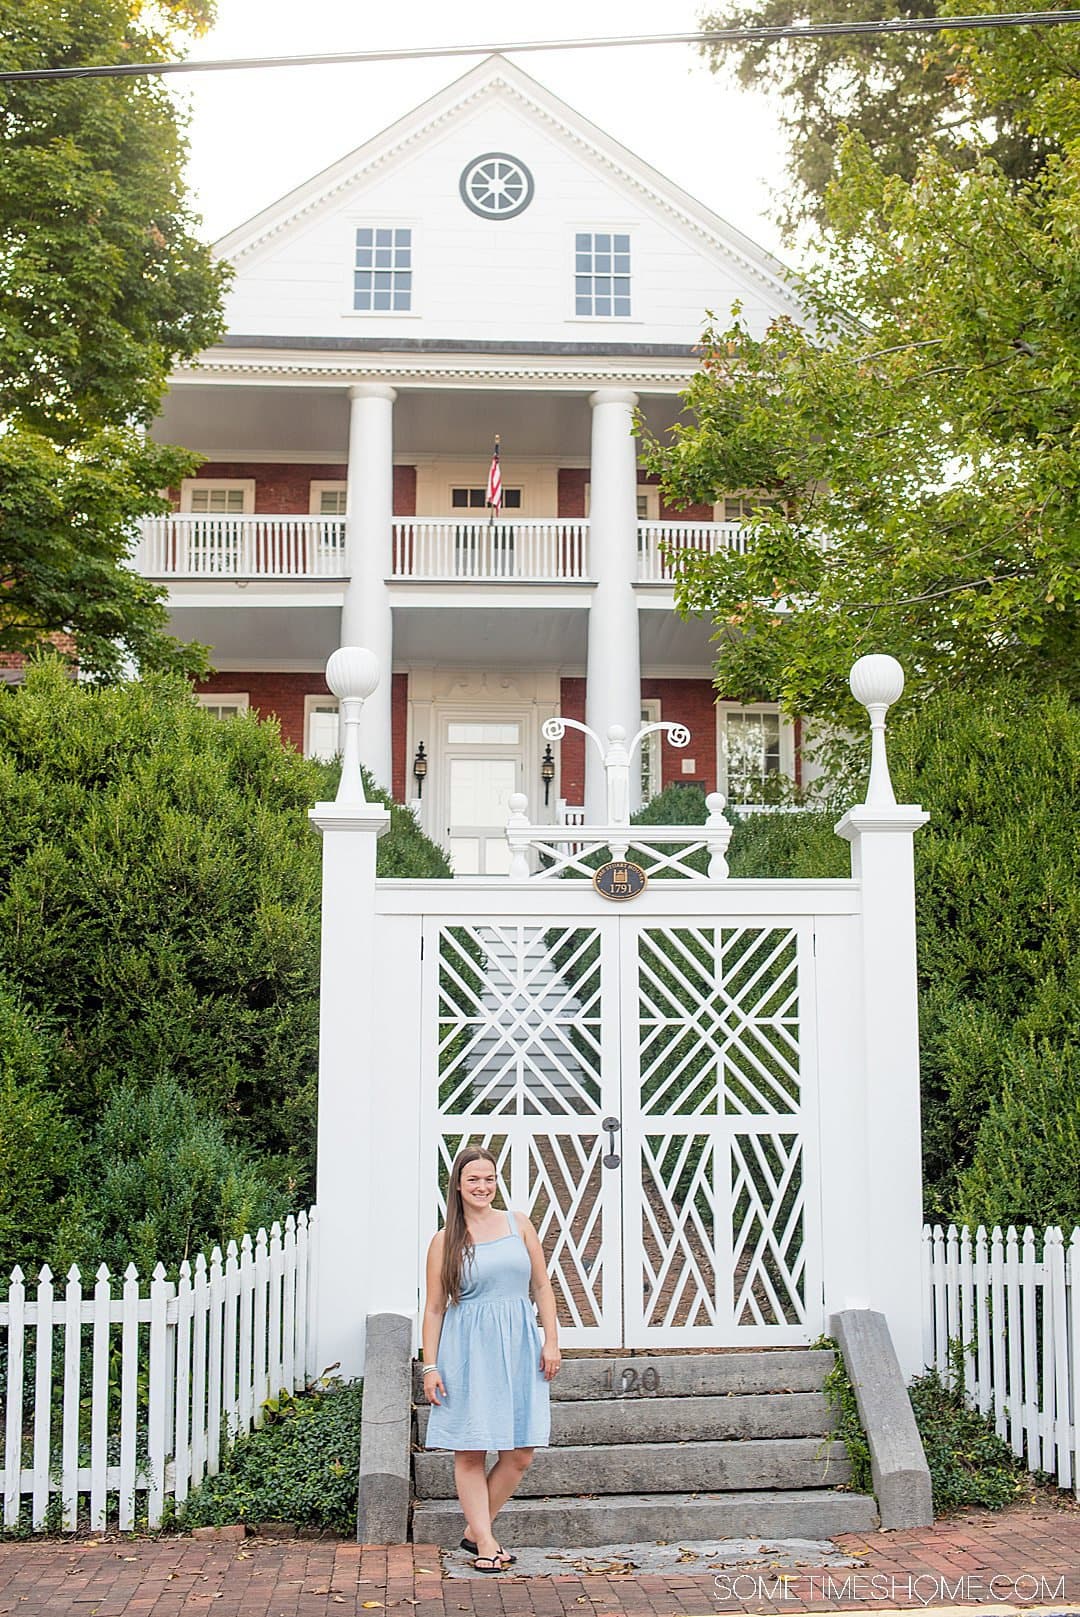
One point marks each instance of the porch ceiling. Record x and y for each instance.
(233, 422)
(489, 636)
(669, 642)
(259, 637)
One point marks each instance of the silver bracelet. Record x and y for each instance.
(428, 1368)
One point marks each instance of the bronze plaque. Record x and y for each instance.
(620, 879)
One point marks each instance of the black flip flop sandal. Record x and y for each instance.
(470, 1549)
(495, 1563)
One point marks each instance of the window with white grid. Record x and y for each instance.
(206, 496)
(601, 273)
(382, 272)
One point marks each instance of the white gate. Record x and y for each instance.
(707, 1100)
(648, 1087)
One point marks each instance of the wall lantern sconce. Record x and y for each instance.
(419, 769)
(547, 772)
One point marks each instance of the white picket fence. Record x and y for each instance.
(1018, 1315)
(111, 1397)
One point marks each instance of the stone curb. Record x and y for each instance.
(897, 1462)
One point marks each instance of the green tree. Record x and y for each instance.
(923, 445)
(104, 286)
(904, 94)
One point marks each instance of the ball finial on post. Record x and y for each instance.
(876, 682)
(352, 673)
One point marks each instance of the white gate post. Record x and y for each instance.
(881, 833)
(350, 829)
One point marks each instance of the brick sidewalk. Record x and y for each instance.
(1016, 1557)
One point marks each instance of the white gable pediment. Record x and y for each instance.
(478, 279)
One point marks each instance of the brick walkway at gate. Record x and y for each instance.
(1015, 1557)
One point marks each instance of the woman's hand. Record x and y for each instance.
(433, 1388)
(550, 1360)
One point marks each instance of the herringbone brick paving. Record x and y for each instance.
(1014, 1557)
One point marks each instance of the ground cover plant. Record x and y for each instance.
(299, 1467)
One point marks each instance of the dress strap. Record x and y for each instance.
(512, 1221)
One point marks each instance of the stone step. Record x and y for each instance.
(633, 1378)
(645, 1518)
(683, 1420)
(625, 1468)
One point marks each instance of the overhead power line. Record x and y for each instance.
(415, 53)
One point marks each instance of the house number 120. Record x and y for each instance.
(630, 1384)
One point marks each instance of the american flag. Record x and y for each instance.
(494, 483)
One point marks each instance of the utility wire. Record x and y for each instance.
(710, 36)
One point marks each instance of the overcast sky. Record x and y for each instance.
(256, 134)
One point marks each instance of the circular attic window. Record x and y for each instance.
(496, 186)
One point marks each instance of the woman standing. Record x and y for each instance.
(485, 1370)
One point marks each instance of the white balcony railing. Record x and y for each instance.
(553, 551)
(441, 549)
(661, 544)
(195, 546)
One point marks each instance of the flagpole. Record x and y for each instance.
(494, 463)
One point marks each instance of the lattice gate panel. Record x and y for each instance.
(719, 1112)
(526, 1063)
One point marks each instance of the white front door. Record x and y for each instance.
(483, 764)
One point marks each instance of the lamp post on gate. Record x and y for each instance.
(351, 828)
(881, 833)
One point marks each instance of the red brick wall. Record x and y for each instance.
(63, 643)
(572, 745)
(572, 481)
(404, 492)
(399, 719)
(285, 490)
(691, 702)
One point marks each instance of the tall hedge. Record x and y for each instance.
(159, 914)
(998, 906)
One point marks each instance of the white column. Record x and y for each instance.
(881, 833)
(349, 1075)
(613, 669)
(366, 616)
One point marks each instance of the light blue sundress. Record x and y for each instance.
(489, 1356)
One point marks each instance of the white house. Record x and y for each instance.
(492, 264)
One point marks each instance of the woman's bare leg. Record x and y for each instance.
(471, 1485)
(502, 1479)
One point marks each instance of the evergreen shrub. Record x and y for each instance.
(300, 1466)
(998, 908)
(969, 1464)
(159, 919)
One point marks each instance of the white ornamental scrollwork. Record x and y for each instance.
(617, 755)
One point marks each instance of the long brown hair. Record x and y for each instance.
(457, 1242)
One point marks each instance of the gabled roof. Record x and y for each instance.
(496, 76)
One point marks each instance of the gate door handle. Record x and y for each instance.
(612, 1126)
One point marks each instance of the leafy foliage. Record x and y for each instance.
(840, 1397)
(903, 94)
(36, 1141)
(998, 913)
(919, 447)
(300, 1466)
(159, 919)
(103, 287)
(162, 1181)
(969, 1463)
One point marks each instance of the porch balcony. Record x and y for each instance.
(193, 546)
(433, 549)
